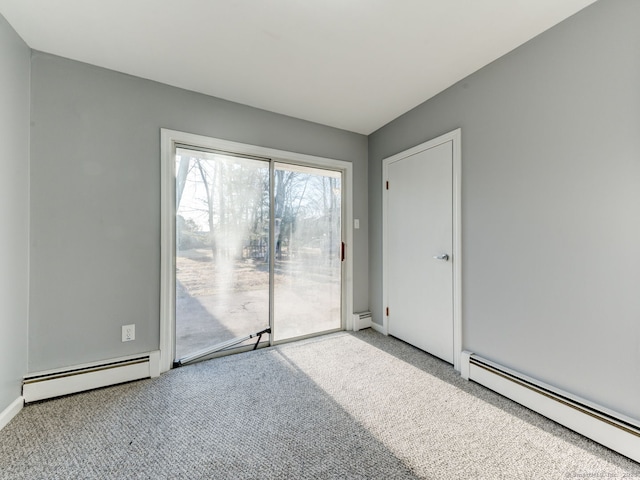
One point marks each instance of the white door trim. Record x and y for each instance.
(169, 140)
(456, 138)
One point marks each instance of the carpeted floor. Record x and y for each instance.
(339, 406)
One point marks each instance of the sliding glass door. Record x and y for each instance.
(308, 261)
(222, 245)
(258, 246)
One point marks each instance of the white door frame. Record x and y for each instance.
(456, 138)
(169, 140)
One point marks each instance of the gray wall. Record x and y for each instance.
(95, 200)
(551, 203)
(14, 211)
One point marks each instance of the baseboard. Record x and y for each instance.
(379, 328)
(56, 383)
(611, 429)
(11, 411)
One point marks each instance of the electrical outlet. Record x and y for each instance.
(128, 332)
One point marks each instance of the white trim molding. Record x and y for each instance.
(169, 140)
(455, 137)
(380, 328)
(11, 411)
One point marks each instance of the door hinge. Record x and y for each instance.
(343, 252)
(387, 184)
(387, 311)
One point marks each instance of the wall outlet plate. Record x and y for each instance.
(128, 332)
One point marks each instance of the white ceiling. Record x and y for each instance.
(351, 64)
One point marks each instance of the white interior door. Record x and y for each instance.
(419, 250)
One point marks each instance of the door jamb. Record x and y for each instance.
(455, 137)
(169, 140)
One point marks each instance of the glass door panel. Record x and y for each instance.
(222, 249)
(307, 288)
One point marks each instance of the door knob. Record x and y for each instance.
(444, 257)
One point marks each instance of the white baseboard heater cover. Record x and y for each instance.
(55, 383)
(361, 321)
(611, 429)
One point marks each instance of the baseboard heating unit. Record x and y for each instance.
(55, 383)
(611, 429)
(361, 321)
